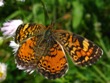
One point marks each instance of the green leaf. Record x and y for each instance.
(77, 13)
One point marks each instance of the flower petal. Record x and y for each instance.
(9, 28)
(14, 46)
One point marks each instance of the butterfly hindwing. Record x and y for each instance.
(53, 63)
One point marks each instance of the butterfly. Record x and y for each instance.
(44, 49)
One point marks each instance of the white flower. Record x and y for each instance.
(9, 28)
(3, 71)
(14, 46)
(1, 3)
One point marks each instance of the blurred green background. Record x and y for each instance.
(89, 18)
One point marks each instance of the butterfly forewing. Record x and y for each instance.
(25, 31)
(81, 50)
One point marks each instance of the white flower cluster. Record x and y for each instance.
(9, 29)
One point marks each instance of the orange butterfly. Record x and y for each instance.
(43, 49)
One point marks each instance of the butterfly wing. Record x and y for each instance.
(26, 58)
(46, 57)
(53, 63)
(81, 50)
(25, 31)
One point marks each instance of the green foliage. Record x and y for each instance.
(89, 18)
